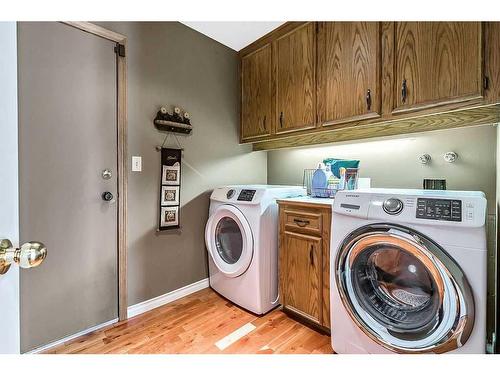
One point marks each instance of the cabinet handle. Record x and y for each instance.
(486, 83)
(404, 91)
(301, 222)
(311, 255)
(281, 119)
(368, 99)
(264, 122)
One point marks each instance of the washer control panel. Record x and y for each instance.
(246, 195)
(459, 209)
(439, 209)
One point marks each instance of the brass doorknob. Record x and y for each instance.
(29, 255)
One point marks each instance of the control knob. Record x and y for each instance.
(230, 193)
(392, 206)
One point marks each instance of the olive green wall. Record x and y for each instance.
(392, 162)
(169, 63)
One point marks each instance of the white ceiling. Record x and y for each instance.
(235, 35)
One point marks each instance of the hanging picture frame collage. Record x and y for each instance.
(170, 188)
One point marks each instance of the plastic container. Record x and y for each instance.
(319, 185)
(336, 164)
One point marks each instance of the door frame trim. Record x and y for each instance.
(122, 120)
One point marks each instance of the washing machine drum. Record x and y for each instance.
(229, 240)
(403, 290)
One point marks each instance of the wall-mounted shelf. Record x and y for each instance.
(171, 126)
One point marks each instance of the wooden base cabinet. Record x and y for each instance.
(304, 261)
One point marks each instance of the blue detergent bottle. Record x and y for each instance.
(319, 185)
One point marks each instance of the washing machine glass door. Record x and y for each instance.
(229, 240)
(403, 290)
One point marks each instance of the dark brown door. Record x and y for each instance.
(302, 267)
(349, 71)
(437, 63)
(295, 79)
(256, 94)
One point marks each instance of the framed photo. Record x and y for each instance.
(171, 174)
(169, 216)
(170, 195)
(170, 189)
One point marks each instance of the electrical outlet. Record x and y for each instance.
(136, 163)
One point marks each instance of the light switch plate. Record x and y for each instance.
(136, 163)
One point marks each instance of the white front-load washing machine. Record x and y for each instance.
(408, 271)
(241, 237)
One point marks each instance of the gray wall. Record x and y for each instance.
(168, 63)
(392, 162)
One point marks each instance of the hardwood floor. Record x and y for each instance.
(194, 324)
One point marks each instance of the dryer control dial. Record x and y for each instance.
(393, 206)
(230, 193)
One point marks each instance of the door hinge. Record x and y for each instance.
(120, 50)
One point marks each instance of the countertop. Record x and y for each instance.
(310, 200)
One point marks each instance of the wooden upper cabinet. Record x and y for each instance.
(349, 71)
(491, 36)
(257, 112)
(437, 63)
(318, 82)
(295, 65)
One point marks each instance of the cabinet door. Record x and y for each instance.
(437, 63)
(491, 37)
(295, 56)
(327, 220)
(301, 264)
(256, 94)
(349, 71)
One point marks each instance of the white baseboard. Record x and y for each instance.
(132, 311)
(71, 337)
(153, 303)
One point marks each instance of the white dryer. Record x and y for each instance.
(241, 237)
(408, 271)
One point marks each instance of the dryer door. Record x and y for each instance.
(403, 290)
(229, 240)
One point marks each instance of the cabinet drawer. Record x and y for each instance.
(303, 222)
